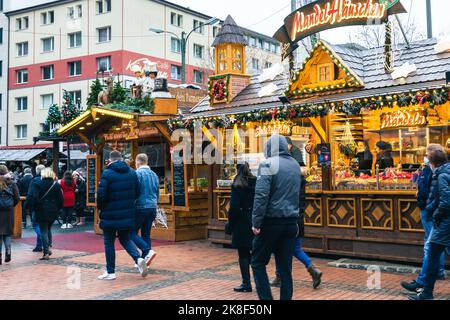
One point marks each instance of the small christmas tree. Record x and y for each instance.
(96, 88)
(69, 110)
(119, 94)
(54, 115)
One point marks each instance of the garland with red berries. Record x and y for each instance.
(218, 88)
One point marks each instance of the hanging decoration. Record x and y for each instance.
(218, 88)
(348, 145)
(424, 98)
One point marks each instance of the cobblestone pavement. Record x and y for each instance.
(195, 270)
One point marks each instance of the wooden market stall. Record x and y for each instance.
(340, 99)
(108, 128)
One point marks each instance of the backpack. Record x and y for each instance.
(6, 199)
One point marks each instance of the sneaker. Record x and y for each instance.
(107, 276)
(276, 282)
(37, 250)
(69, 226)
(142, 266)
(46, 257)
(422, 295)
(64, 226)
(243, 288)
(411, 286)
(149, 258)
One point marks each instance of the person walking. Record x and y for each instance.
(299, 253)
(24, 185)
(116, 199)
(80, 198)
(275, 216)
(239, 223)
(146, 207)
(68, 186)
(9, 198)
(47, 202)
(28, 206)
(438, 206)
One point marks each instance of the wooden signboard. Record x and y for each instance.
(91, 180)
(179, 186)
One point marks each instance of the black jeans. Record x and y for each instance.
(277, 236)
(245, 257)
(46, 232)
(66, 215)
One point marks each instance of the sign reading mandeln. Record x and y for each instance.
(327, 14)
(403, 119)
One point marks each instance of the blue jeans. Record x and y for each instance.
(144, 223)
(109, 237)
(38, 232)
(431, 270)
(299, 254)
(428, 227)
(7, 241)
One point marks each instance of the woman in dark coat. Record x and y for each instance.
(240, 221)
(439, 207)
(9, 198)
(80, 198)
(47, 202)
(384, 156)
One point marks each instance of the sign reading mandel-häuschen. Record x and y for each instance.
(327, 14)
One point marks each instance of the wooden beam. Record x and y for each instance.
(164, 131)
(319, 129)
(87, 141)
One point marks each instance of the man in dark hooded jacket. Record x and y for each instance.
(275, 216)
(116, 198)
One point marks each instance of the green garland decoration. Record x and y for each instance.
(433, 98)
(226, 79)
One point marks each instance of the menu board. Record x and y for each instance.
(91, 180)
(324, 154)
(179, 185)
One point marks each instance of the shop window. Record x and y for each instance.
(325, 72)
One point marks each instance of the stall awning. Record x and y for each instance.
(20, 154)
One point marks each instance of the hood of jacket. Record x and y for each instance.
(119, 167)
(443, 169)
(276, 146)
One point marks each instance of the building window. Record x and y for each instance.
(1, 68)
(47, 72)
(277, 49)
(103, 6)
(199, 51)
(74, 68)
(47, 17)
(104, 63)
(267, 46)
(175, 45)
(198, 76)
(325, 72)
(22, 23)
(176, 19)
(267, 65)
(199, 26)
(75, 96)
(175, 72)
(75, 40)
(104, 34)
(46, 101)
(48, 44)
(22, 76)
(216, 31)
(21, 131)
(1, 9)
(255, 64)
(1, 35)
(22, 103)
(22, 49)
(252, 41)
(75, 12)
(1, 102)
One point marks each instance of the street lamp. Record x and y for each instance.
(183, 42)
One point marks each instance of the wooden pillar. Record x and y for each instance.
(56, 157)
(327, 172)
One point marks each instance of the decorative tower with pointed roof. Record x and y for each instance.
(230, 77)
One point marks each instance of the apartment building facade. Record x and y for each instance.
(63, 44)
(3, 74)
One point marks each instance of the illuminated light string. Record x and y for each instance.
(424, 98)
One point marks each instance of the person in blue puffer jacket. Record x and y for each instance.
(146, 207)
(116, 198)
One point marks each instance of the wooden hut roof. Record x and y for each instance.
(230, 33)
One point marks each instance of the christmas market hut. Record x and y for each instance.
(361, 127)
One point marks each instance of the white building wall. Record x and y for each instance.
(3, 78)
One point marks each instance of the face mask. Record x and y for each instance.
(426, 161)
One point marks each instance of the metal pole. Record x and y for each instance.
(429, 20)
(183, 57)
(68, 155)
(403, 32)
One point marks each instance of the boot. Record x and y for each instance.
(8, 256)
(246, 286)
(276, 282)
(1, 259)
(316, 276)
(46, 257)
